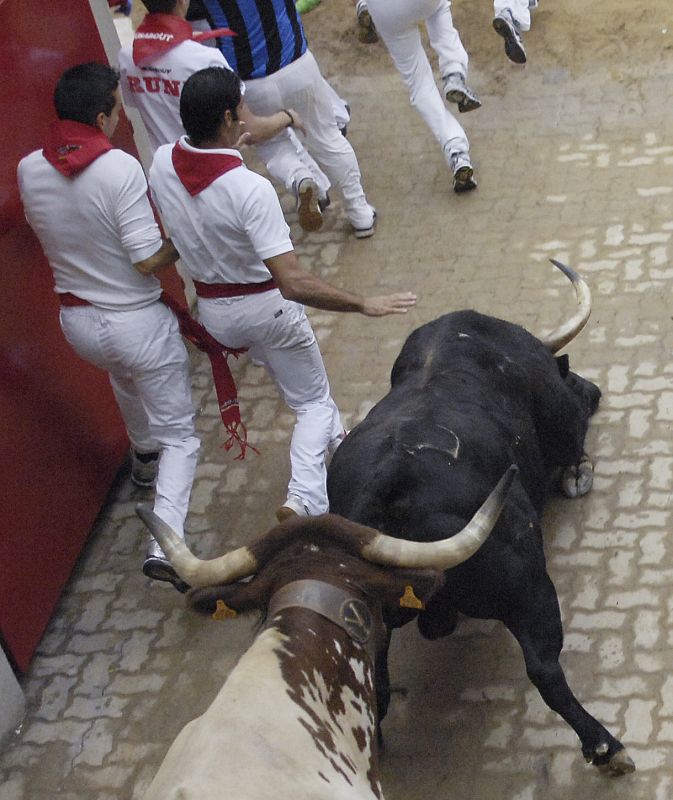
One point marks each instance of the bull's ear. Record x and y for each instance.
(410, 588)
(236, 597)
(563, 364)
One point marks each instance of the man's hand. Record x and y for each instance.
(244, 139)
(398, 303)
(301, 286)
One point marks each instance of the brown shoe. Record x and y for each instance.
(308, 205)
(366, 29)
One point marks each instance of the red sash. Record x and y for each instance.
(225, 386)
(211, 290)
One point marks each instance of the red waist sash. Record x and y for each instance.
(225, 386)
(71, 300)
(211, 290)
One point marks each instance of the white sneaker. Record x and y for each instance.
(294, 506)
(506, 26)
(363, 218)
(457, 91)
(463, 174)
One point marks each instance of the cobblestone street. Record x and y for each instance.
(574, 159)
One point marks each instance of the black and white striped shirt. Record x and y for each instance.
(270, 34)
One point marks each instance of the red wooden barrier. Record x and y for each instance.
(62, 440)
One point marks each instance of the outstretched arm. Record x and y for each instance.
(301, 286)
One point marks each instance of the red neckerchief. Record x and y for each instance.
(197, 171)
(225, 387)
(159, 33)
(72, 146)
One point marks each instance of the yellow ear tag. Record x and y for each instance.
(409, 599)
(222, 611)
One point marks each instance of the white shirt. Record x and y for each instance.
(154, 89)
(224, 232)
(94, 227)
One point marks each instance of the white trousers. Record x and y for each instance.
(341, 112)
(148, 368)
(289, 162)
(519, 8)
(300, 85)
(397, 22)
(280, 336)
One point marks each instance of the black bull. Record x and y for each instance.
(470, 395)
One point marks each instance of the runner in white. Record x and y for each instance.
(397, 22)
(165, 51)
(271, 54)
(228, 226)
(88, 205)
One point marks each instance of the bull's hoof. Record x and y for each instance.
(577, 481)
(620, 763)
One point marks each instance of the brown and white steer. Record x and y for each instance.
(297, 715)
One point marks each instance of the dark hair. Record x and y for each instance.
(82, 92)
(160, 6)
(206, 95)
(196, 11)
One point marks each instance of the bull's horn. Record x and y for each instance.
(197, 573)
(569, 330)
(447, 553)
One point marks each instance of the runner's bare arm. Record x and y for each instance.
(295, 283)
(164, 257)
(262, 128)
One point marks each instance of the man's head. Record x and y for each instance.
(209, 104)
(89, 93)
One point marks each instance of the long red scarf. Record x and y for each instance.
(72, 146)
(225, 387)
(159, 33)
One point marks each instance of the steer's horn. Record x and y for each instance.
(447, 553)
(569, 330)
(226, 569)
